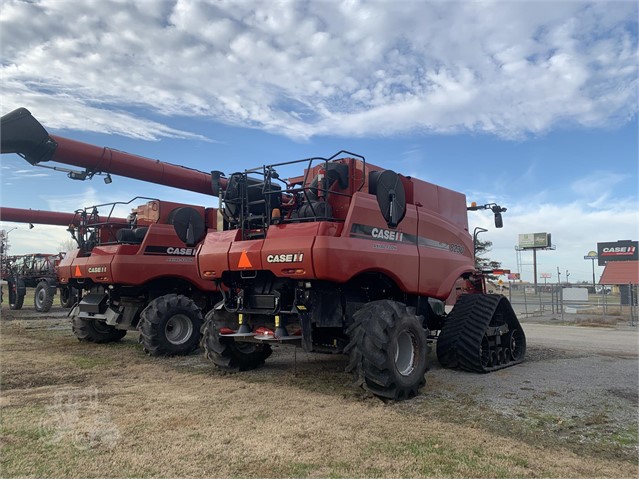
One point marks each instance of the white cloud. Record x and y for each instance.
(312, 68)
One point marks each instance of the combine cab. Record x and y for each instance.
(351, 258)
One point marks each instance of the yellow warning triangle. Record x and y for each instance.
(244, 262)
(77, 271)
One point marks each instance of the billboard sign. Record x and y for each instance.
(618, 251)
(534, 240)
(591, 255)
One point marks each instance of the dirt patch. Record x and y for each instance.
(82, 410)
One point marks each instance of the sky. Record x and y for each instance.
(532, 105)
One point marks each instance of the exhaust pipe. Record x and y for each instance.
(24, 135)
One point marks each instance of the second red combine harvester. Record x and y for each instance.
(347, 258)
(133, 273)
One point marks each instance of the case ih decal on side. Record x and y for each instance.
(169, 251)
(390, 236)
(285, 258)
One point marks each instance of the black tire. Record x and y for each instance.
(95, 331)
(16, 294)
(42, 299)
(225, 353)
(170, 326)
(388, 350)
(68, 296)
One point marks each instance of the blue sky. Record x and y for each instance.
(515, 102)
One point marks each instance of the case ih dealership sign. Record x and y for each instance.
(619, 251)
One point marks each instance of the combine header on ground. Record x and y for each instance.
(347, 258)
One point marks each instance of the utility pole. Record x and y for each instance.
(567, 275)
(558, 276)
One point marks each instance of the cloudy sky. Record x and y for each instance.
(530, 104)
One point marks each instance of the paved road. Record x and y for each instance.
(617, 342)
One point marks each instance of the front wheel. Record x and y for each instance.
(387, 350)
(170, 325)
(43, 299)
(226, 353)
(95, 331)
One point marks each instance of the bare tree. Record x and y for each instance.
(67, 245)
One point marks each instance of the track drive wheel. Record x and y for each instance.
(68, 296)
(387, 350)
(43, 299)
(170, 326)
(16, 294)
(96, 331)
(225, 352)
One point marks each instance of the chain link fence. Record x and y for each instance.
(563, 301)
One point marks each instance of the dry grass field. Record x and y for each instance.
(82, 410)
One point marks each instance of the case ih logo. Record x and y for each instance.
(285, 258)
(387, 234)
(169, 251)
(624, 250)
(619, 251)
(97, 269)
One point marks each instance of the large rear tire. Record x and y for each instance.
(388, 350)
(43, 299)
(16, 293)
(225, 353)
(170, 326)
(95, 331)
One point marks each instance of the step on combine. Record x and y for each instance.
(345, 258)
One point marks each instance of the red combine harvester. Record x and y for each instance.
(142, 275)
(36, 270)
(345, 258)
(137, 273)
(351, 258)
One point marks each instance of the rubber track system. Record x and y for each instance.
(463, 341)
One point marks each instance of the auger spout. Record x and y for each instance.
(41, 217)
(23, 134)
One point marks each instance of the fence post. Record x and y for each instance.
(525, 303)
(561, 301)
